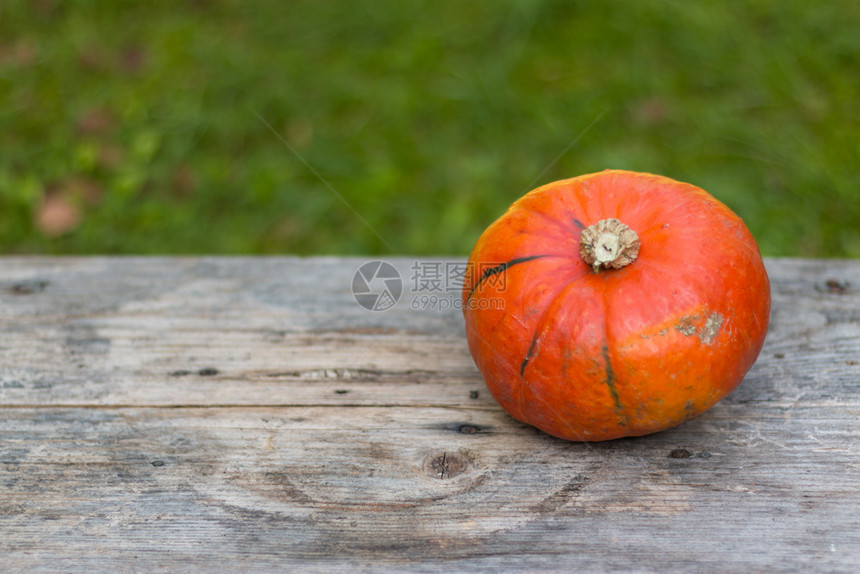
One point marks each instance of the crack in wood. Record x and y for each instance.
(341, 373)
(443, 466)
(161, 406)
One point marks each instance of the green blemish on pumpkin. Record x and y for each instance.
(610, 378)
(529, 354)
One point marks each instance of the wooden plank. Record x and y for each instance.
(230, 331)
(112, 458)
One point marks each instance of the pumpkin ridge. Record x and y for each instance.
(610, 376)
(620, 411)
(548, 405)
(553, 410)
(539, 322)
(540, 318)
(530, 355)
(561, 224)
(501, 268)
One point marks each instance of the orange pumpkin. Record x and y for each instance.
(614, 304)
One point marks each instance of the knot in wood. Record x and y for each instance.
(446, 465)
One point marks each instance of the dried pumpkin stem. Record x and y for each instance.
(609, 244)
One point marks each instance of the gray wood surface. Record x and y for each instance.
(246, 414)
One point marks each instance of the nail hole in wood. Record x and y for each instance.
(680, 453)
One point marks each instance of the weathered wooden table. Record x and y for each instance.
(247, 414)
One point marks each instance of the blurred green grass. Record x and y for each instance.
(346, 127)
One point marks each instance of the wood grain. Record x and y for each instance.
(209, 414)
